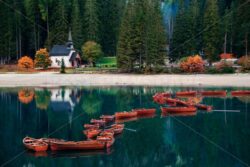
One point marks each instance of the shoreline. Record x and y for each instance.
(50, 79)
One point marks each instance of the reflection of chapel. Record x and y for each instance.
(64, 101)
(66, 52)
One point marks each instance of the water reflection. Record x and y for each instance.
(156, 142)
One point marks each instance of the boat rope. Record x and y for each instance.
(210, 141)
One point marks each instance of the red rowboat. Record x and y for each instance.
(98, 121)
(186, 93)
(126, 120)
(184, 114)
(91, 133)
(117, 128)
(240, 93)
(107, 132)
(146, 116)
(49, 140)
(35, 144)
(178, 109)
(171, 101)
(123, 115)
(214, 93)
(80, 145)
(108, 118)
(143, 111)
(204, 107)
(91, 126)
(166, 94)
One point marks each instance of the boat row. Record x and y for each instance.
(214, 93)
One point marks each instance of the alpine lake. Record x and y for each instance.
(207, 139)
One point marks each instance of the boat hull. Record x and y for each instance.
(240, 93)
(124, 115)
(35, 144)
(84, 145)
(178, 109)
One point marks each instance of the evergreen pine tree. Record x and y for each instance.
(91, 21)
(124, 50)
(62, 70)
(211, 35)
(58, 24)
(183, 35)
(76, 25)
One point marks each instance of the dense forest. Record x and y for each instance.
(138, 32)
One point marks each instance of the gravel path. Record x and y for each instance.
(54, 79)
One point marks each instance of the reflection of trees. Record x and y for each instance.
(42, 98)
(244, 99)
(91, 103)
(25, 95)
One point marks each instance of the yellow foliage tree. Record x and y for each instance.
(25, 62)
(42, 59)
(193, 64)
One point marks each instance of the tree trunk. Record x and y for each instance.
(20, 43)
(246, 42)
(225, 43)
(48, 25)
(35, 37)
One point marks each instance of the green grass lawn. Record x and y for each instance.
(107, 62)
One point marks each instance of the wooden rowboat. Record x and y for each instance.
(91, 126)
(117, 128)
(80, 145)
(123, 115)
(98, 121)
(109, 140)
(186, 94)
(214, 93)
(178, 109)
(119, 121)
(204, 107)
(143, 111)
(107, 118)
(182, 114)
(49, 140)
(240, 93)
(35, 144)
(107, 132)
(91, 133)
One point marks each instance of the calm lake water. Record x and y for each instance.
(211, 139)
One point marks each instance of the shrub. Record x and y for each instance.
(160, 69)
(244, 61)
(176, 70)
(25, 62)
(225, 67)
(192, 64)
(42, 59)
(212, 70)
(227, 70)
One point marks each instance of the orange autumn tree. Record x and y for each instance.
(42, 59)
(25, 62)
(193, 64)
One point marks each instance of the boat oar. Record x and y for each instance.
(226, 110)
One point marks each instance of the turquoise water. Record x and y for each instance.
(218, 138)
